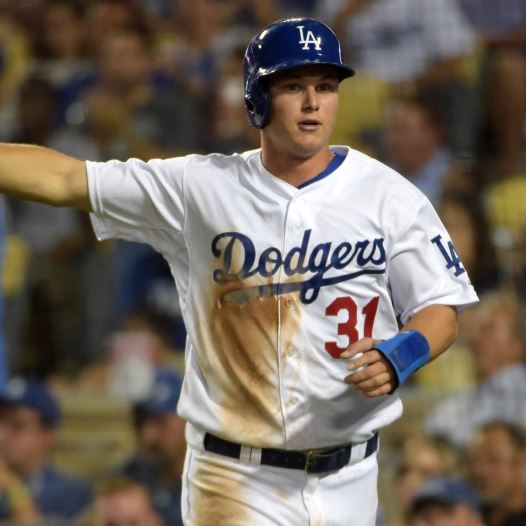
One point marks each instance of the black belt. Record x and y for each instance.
(310, 461)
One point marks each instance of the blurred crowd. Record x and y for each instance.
(439, 95)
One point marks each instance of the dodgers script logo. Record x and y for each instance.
(309, 39)
(240, 261)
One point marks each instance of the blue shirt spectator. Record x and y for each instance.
(56, 494)
(29, 417)
(165, 498)
(446, 500)
(158, 461)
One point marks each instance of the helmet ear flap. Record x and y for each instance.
(257, 104)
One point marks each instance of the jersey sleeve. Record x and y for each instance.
(424, 268)
(137, 200)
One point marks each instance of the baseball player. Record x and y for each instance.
(313, 281)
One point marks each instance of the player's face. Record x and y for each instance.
(304, 104)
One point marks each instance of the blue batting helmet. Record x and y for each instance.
(283, 45)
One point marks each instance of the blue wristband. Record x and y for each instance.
(406, 352)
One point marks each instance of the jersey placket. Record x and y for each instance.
(294, 399)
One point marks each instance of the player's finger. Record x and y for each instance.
(362, 345)
(373, 383)
(379, 385)
(367, 373)
(383, 390)
(366, 359)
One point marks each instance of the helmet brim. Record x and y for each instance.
(342, 70)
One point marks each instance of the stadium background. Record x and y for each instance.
(156, 78)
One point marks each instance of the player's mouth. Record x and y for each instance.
(309, 125)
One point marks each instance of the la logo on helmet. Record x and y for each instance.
(310, 39)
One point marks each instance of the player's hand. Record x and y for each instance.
(369, 371)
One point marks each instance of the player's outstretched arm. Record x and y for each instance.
(386, 364)
(40, 174)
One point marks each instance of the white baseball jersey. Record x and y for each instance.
(275, 281)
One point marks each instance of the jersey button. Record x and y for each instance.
(298, 225)
(289, 303)
(292, 352)
(293, 401)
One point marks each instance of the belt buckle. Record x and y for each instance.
(311, 456)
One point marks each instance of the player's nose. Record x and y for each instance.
(311, 102)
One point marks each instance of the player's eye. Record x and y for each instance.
(328, 86)
(291, 87)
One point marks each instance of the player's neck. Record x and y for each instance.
(295, 170)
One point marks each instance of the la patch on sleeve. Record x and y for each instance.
(449, 254)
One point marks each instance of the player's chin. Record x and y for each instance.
(309, 146)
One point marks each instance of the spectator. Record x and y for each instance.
(59, 50)
(120, 501)
(3, 341)
(464, 217)
(494, 333)
(134, 351)
(159, 9)
(421, 459)
(415, 146)
(14, 64)
(229, 128)
(105, 17)
(501, 28)
(446, 501)
(150, 116)
(43, 313)
(251, 13)
(31, 486)
(497, 464)
(506, 207)
(161, 446)
(413, 44)
(144, 285)
(194, 51)
(291, 8)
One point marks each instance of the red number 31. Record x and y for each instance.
(348, 327)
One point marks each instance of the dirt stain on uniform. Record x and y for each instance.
(218, 499)
(248, 324)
